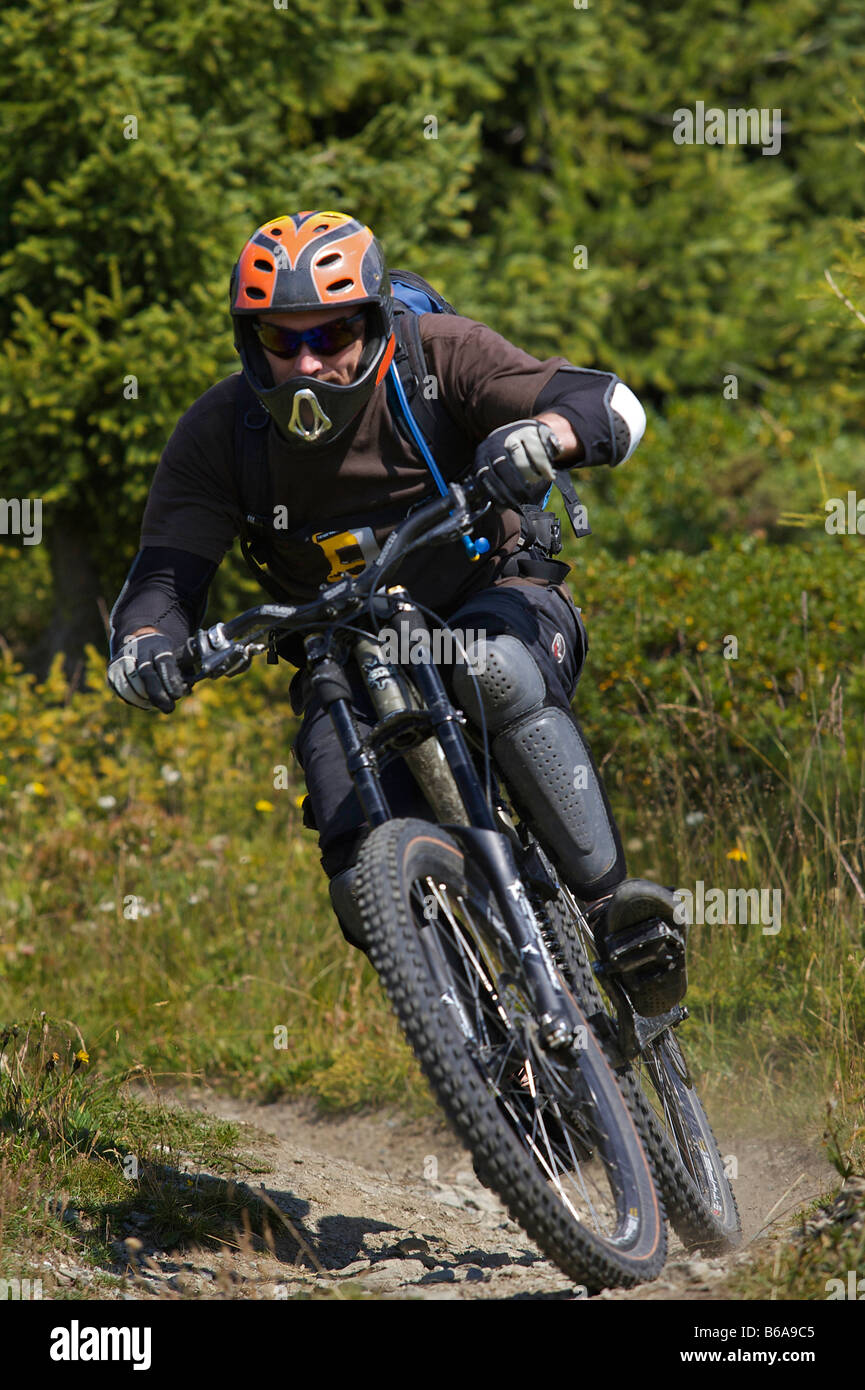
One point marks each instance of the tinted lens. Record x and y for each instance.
(326, 338)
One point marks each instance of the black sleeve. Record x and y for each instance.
(582, 397)
(165, 589)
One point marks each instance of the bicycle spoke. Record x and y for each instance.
(497, 1017)
(702, 1205)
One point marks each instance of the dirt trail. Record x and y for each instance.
(391, 1208)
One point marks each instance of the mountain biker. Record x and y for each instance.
(311, 304)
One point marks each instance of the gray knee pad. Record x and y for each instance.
(510, 683)
(546, 765)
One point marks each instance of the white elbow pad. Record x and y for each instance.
(629, 421)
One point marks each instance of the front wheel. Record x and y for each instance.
(549, 1131)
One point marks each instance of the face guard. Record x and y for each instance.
(308, 261)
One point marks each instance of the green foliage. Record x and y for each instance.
(659, 625)
(103, 278)
(554, 129)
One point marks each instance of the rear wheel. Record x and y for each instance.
(696, 1190)
(549, 1131)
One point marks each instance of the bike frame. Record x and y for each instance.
(481, 837)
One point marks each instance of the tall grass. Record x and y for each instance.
(779, 1016)
(158, 889)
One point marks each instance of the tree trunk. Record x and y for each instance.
(79, 606)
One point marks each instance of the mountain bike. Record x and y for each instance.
(483, 953)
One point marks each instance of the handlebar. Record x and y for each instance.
(227, 648)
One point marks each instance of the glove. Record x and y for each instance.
(513, 460)
(146, 675)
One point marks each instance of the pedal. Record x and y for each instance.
(649, 959)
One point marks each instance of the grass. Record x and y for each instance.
(88, 1170)
(779, 1014)
(157, 886)
(159, 889)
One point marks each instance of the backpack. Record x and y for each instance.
(540, 530)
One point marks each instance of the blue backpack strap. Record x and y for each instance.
(414, 296)
(410, 365)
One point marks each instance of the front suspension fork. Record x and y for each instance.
(485, 845)
(481, 838)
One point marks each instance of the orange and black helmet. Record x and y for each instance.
(304, 261)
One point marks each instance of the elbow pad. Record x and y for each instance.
(605, 414)
(629, 422)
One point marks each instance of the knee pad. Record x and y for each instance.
(509, 683)
(547, 767)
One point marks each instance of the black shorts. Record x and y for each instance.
(548, 624)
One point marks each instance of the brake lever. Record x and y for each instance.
(455, 527)
(459, 523)
(216, 655)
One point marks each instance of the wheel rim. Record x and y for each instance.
(679, 1110)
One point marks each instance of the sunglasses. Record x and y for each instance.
(326, 338)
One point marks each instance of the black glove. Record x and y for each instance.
(146, 675)
(515, 462)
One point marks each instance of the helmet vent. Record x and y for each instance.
(253, 292)
(333, 258)
(336, 285)
(263, 265)
(322, 227)
(276, 231)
